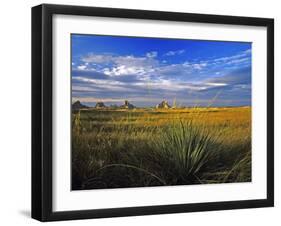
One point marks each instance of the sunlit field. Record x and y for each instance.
(153, 147)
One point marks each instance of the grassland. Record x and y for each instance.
(154, 147)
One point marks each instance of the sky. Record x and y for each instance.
(146, 71)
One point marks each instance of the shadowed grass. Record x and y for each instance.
(183, 152)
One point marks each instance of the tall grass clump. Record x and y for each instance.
(183, 151)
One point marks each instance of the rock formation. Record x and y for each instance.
(77, 105)
(100, 105)
(164, 104)
(127, 105)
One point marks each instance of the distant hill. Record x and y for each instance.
(127, 105)
(77, 105)
(163, 104)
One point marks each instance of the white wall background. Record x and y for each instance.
(15, 113)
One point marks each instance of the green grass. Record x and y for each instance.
(144, 147)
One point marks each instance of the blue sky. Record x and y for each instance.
(146, 71)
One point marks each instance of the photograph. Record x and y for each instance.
(144, 112)
(150, 111)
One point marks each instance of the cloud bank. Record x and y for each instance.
(147, 79)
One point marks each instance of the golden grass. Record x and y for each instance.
(132, 138)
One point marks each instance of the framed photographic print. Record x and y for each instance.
(146, 112)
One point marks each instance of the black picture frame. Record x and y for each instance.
(42, 107)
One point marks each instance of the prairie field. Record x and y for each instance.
(117, 148)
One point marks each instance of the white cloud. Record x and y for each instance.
(122, 65)
(128, 60)
(98, 81)
(196, 66)
(82, 67)
(248, 51)
(132, 61)
(111, 85)
(175, 86)
(241, 59)
(242, 86)
(176, 52)
(242, 55)
(124, 70)
(215, 84)
(152, 54)
(158, 84)
(199, 66)
(238, 61)
(147, 69)
(97, 58)
(76, 88)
